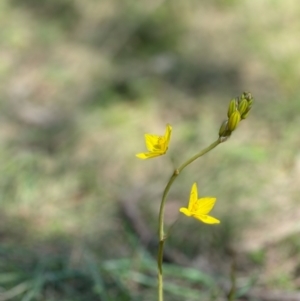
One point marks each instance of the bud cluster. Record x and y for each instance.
(238, 110)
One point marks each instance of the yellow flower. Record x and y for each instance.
(156, 145)
(199, 208)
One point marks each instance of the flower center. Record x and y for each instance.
(195, 206)
(161, 144)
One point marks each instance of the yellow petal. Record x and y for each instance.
(168, 135)
(151, 142)
(148, 155)
(204, 205)
(207, 219)
(193, 197)
(185, 211)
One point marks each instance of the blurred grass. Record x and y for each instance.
(81, 82)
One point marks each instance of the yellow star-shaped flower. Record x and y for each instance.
(156, 145)
(199, 208)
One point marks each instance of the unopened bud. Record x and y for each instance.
(223, 131)
(245, 114)
(250, 102)
(243, 106)
(234, 120)
(232, 107)
(247, 95)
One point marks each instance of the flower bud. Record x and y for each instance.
(250, 102)
(232, 107)
(245, 114)
(247, 96)
(223, 131)
(234, 120)
(243, 106)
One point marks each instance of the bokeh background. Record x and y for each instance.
(80, 84)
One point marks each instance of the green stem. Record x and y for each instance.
(203, 152)
(162, 209)
(232, 292)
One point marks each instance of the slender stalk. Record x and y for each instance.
(162, 209)
(232, 293)
(203, 152)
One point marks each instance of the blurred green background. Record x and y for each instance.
(80, 84)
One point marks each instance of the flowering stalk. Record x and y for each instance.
(157, 145)
(162, 209)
